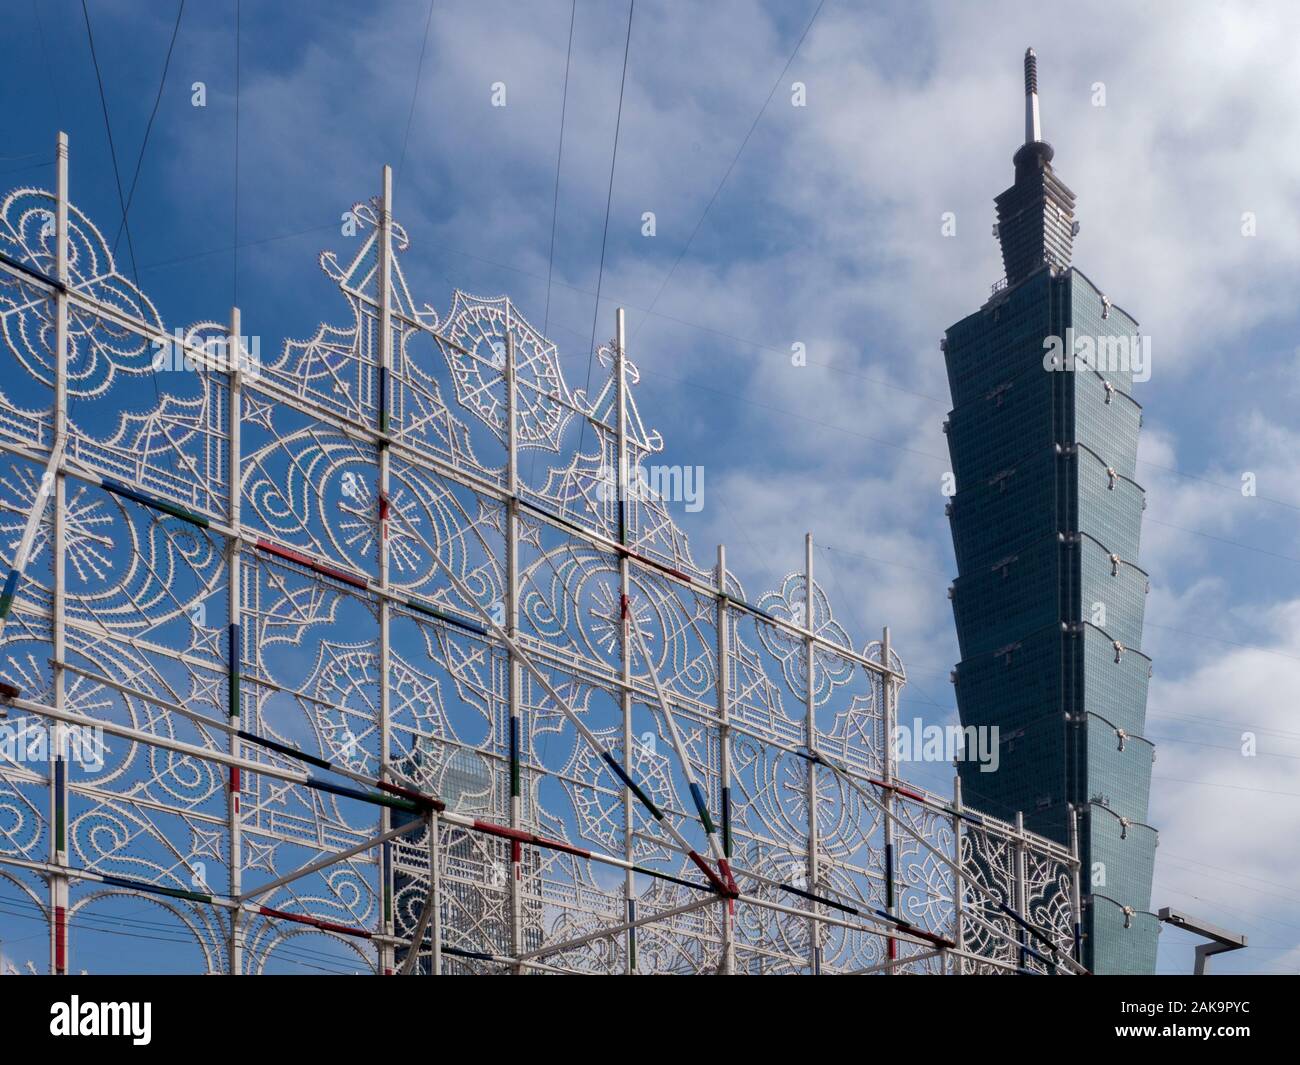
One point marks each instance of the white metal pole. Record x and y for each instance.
(411, 962)
(234, 592)
(386, 954)
(724, 757)
(58, 765)
(679, 744)
(435, 887)
(1076, 901)
(625, 642)
(810, 740)
(958, 889)
(887, 690)
(1021, 902)
(513, 676)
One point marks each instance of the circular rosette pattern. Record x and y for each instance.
(129, 569)
(775, 785)
(321, 483)
(344, 684)
(792, 604)
(572, 595)
(473, 339)
(98, 348)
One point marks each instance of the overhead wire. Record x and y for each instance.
(739, 151)
(609, 203)
(122, 202)
(415, 92)
(162, 83)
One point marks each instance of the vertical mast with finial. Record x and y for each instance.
(1036, 215)
(1033, 131)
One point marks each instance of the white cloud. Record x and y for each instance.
(1228, 823)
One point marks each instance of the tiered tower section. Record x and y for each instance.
(1046, 523)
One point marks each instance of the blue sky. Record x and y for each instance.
(826, 231)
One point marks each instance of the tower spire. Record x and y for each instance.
(1036, 215)
(1033, 131)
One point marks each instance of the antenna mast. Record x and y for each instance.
(1033, 131)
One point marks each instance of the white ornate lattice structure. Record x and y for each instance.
(322, 603)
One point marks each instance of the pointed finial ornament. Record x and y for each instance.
(1033, 131)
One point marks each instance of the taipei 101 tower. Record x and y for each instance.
(1046, 522)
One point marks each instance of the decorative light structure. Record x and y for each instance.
(375, 687)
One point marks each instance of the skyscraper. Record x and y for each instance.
(1046, 520)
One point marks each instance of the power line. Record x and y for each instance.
(555, 203)
(559, 156)
(722, 334)
(130, 196)
(1233, 787)
(49, 67)
(1219, 723)
(609, 202)
(108, 128)
(1220, 639)
(160, 263)
(23, 169)
(122, 202)
(752, 126)
(1242, 915)
(1224, 540)
(125, 202)
(1234, 489)
(1217, 747)
(844, 371)
(792, 414)
(1222, 869)
(415, 92)
(885, 561)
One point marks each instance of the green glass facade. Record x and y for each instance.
(1049, 598)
